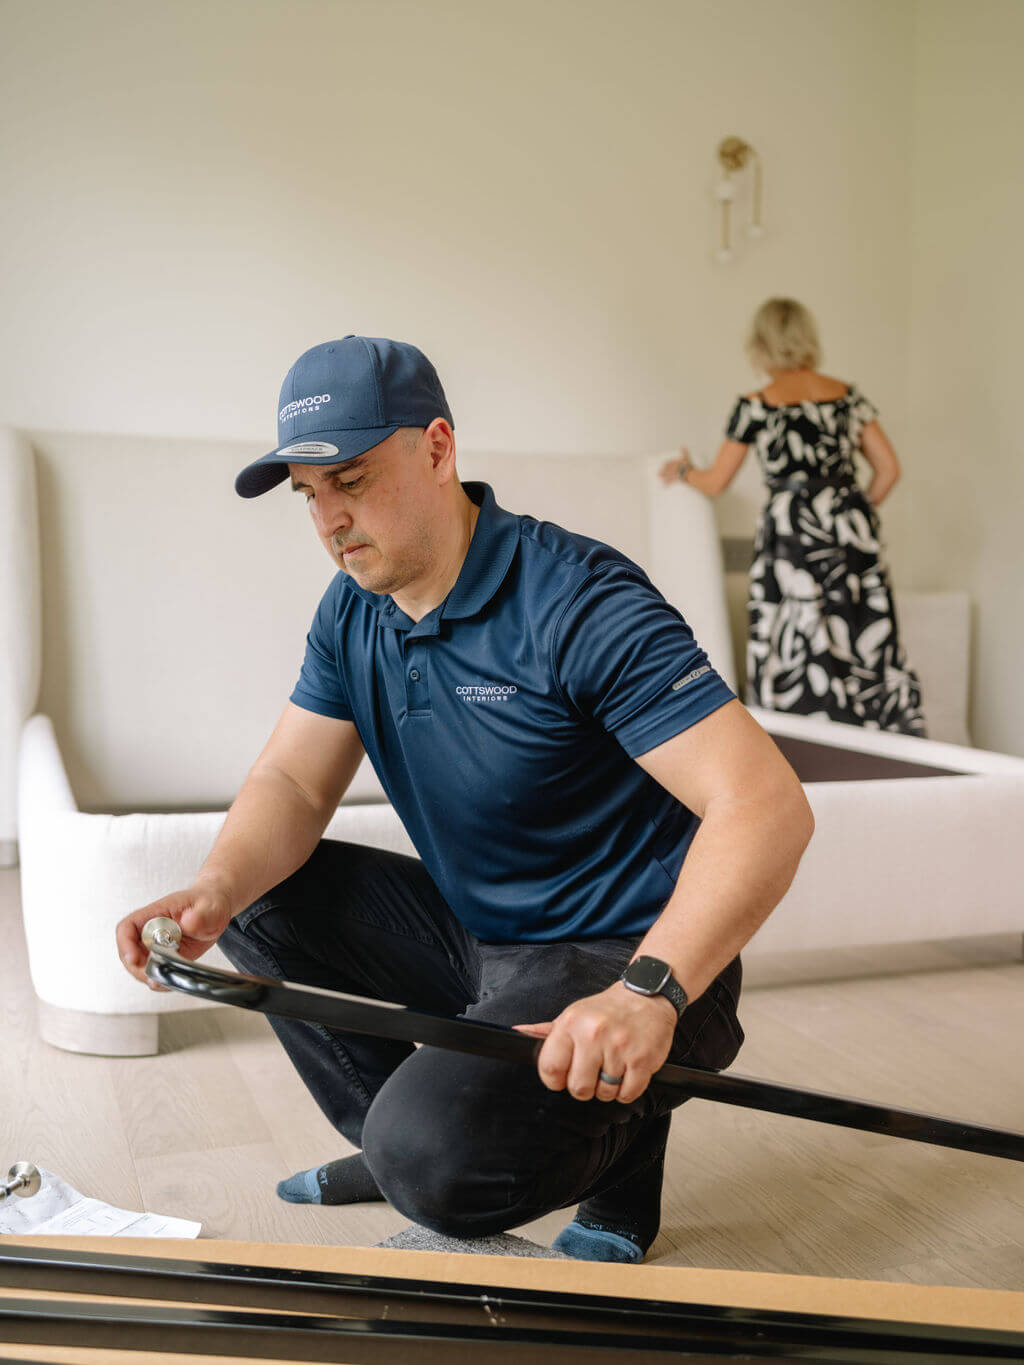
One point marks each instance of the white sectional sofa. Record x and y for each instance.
(20, 619)
(915, 839)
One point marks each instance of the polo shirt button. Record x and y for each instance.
(414, 674)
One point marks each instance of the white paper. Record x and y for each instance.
(58, 1210)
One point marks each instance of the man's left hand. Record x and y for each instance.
(618, 1032)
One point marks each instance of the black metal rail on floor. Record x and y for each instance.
(379, 1319)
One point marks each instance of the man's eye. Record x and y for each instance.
(352, 483)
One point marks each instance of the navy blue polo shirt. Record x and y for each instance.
(504, 724)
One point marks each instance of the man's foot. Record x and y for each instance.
(586, 1241)
(621, 1223)
(345, 1181)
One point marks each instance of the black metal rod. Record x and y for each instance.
(383, 1019)
(273, 1336)
(288, 1289)
(335, 1293)
(114, 1326)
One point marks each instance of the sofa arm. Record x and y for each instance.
(43, 783)
(20, 618)
(914, 859)
(686, 564)
(80, 873)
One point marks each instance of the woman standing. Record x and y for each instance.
(823, 639)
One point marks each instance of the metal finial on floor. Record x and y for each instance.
(23, 1179)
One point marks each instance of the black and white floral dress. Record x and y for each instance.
(822, 636)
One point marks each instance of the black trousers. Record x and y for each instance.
(464, 1145)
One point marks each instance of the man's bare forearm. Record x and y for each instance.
(739, 866)
(270, 831)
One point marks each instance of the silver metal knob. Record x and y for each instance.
(22, 1179)
(161, 933)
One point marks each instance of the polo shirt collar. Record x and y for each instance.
(483, 571)
(495, 538)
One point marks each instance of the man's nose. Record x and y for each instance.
(331, 511)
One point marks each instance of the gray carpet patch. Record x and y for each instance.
(414, 1238)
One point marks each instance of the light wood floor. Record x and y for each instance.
(205, 1129)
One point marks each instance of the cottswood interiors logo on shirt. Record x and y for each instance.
(486, 691)
(697, 673)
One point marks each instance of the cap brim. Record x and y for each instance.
(335, 447)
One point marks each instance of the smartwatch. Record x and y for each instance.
(651, 976)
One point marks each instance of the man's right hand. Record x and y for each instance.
(202, 912)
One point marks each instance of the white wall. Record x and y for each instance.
(960, 524)
(198, 191)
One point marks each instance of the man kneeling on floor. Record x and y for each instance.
(601, 827)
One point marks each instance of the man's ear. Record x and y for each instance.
(441, 443)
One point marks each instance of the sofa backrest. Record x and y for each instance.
(175, 612)
(20, 619)
(619, 499)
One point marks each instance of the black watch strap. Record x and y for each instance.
(651, 976)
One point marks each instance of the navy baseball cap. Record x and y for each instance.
(342, 398)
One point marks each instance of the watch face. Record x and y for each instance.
(647, 974)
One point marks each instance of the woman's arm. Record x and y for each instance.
(713, 481)
(882, 459)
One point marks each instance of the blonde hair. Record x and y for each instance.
(783, 336)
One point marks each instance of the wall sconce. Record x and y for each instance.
(735, 155)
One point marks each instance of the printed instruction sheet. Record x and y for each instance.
(58, 1210)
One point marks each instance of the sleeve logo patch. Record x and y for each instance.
(697, 673)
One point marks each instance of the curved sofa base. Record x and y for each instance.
(102, 1035)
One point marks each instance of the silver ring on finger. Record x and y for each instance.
(609, 1080)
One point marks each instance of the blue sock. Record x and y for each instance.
(586, 1243)
(345, 1181)
(621, 1222)
(301, 1188)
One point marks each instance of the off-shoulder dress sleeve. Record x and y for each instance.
(862, 410)
(746, 420)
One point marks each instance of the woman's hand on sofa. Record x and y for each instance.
(202, 913)
(672, 470)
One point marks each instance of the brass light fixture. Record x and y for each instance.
(735, 155)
